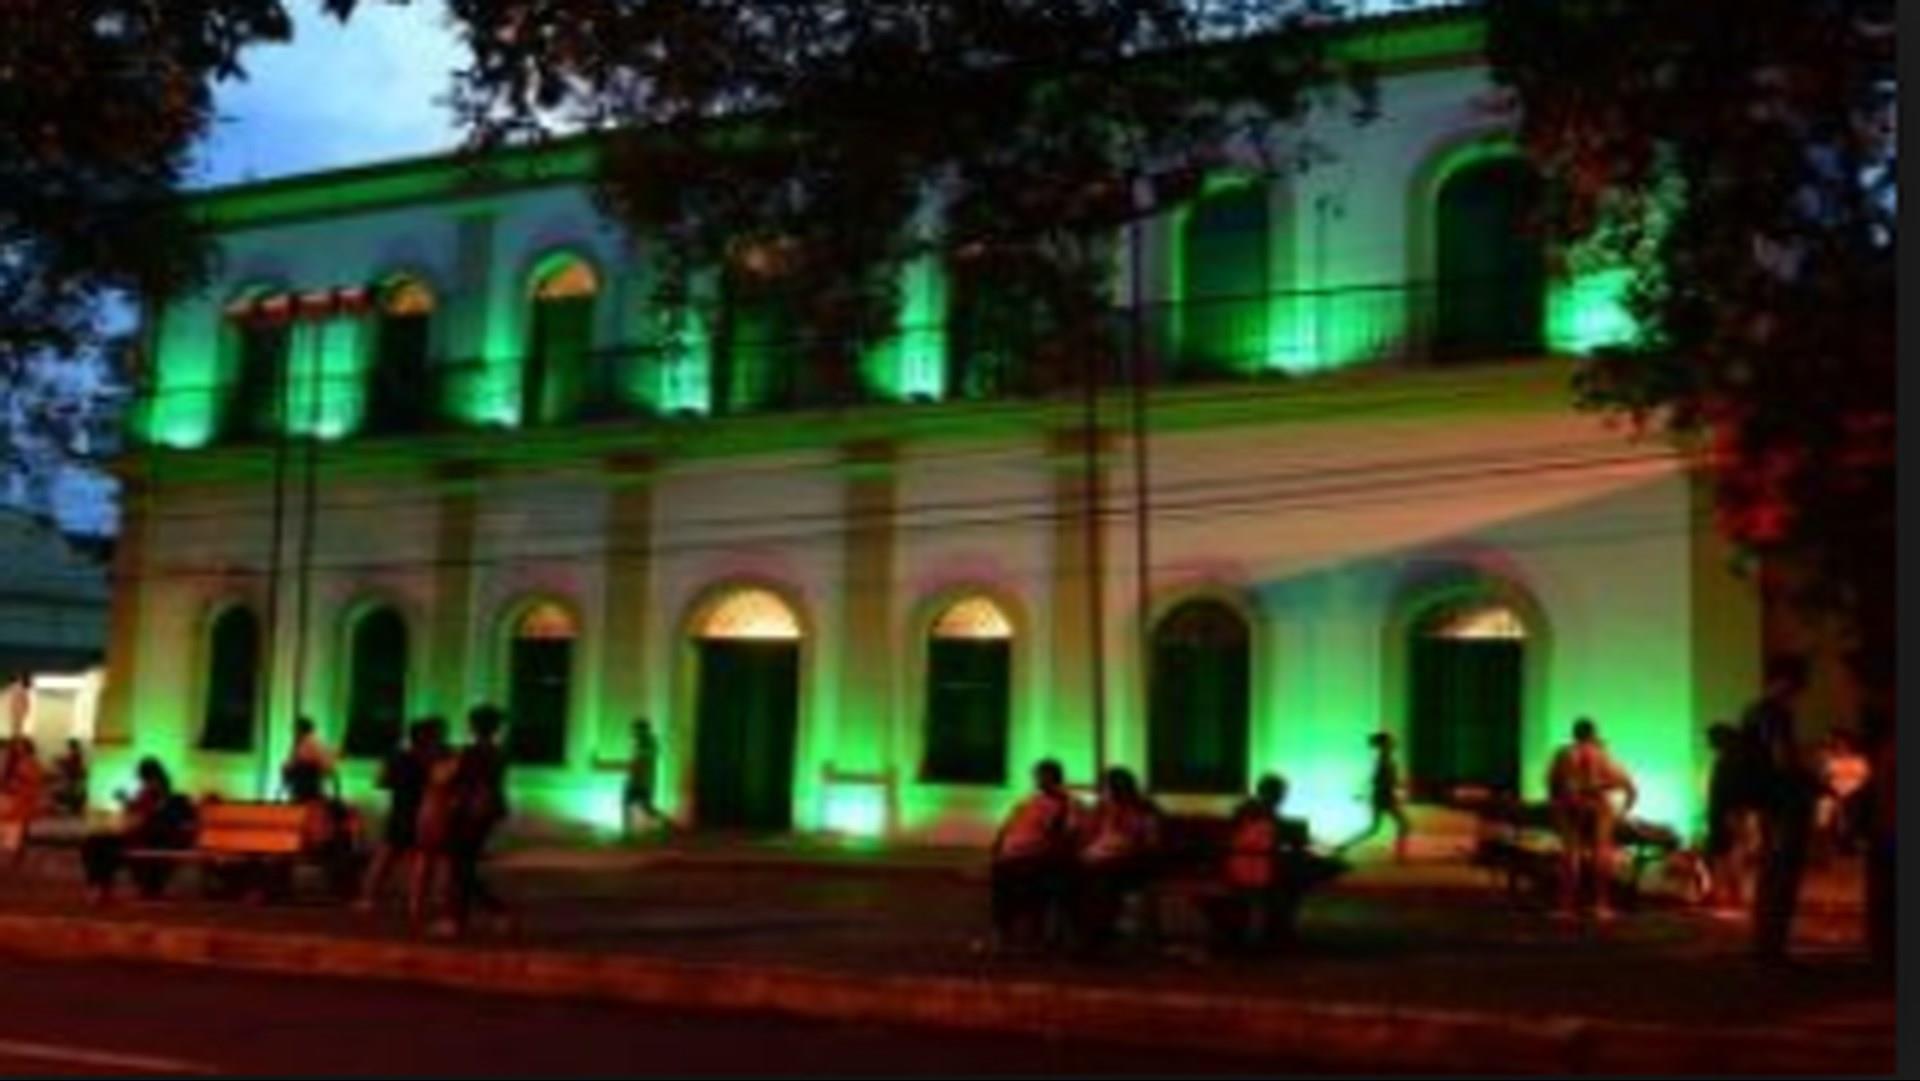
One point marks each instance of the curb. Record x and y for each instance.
(1328, 1035)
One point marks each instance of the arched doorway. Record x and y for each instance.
(1198, 718)
(747, 711)
(1490, 263)
(1466, 698)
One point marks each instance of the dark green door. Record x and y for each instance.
(748, 716)
(1466, 714)
(968, 698)
(537, 709)
(1491, 264)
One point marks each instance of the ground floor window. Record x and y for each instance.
(969, 694)
(233, 681)
(540, 684)
(376, 683)
(1201, 698)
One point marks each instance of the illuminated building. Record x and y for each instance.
(425, 444)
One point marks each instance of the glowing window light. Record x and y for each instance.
(547, 621)
(572, 278)
(973, 618)
(1478, 622)
(756, 614)
(407, 297)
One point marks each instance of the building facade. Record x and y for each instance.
(426, 443)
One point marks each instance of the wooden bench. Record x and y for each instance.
(255, 849)
(1193, 865)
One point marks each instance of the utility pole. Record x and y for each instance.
(1096, 577)
(303, 559)
(1142, 497)
(263, 712)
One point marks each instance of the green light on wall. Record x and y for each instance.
(182, 411)
(855, 808)
(911, 364)
(327, 373)
(1589, 311)
(685, 379)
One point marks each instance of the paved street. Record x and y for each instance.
(90, 1019)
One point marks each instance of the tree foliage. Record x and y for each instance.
(1758, 135)
(823, 143)
(101, 104)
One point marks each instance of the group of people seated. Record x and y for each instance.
(1062, 870)
(445, 802)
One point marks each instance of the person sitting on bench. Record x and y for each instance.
(1270, 868)
(1116, 855)
(154, 817)
(1032, 856)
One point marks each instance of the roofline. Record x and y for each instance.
(1422, 39)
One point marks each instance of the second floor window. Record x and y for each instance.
(1225, 282)
(559, 363)
(401, 392)
(1490, 264)
(260, 334)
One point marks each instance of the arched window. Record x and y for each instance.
(1465, 711)
(401, 394)
(233, 681)
(969, 694)
(260, 330)
(376, 683)
(1226, 283)
(559, 342)
(540, 684)
(1198, 718)
(1490, 263)
(757, 342)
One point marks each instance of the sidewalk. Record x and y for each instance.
(1417, 967)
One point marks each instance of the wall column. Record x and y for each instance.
(625, 683)
(113, 727)
(452, 635)
(1079, 581)
(862, 789)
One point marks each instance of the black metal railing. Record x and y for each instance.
(1199, 340)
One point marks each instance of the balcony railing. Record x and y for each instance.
(1199, 340)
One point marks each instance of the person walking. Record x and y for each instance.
(479, 805)
(405, 775)
(642, 771)
(1384, 799)
(1581, 785)
(22, 795)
